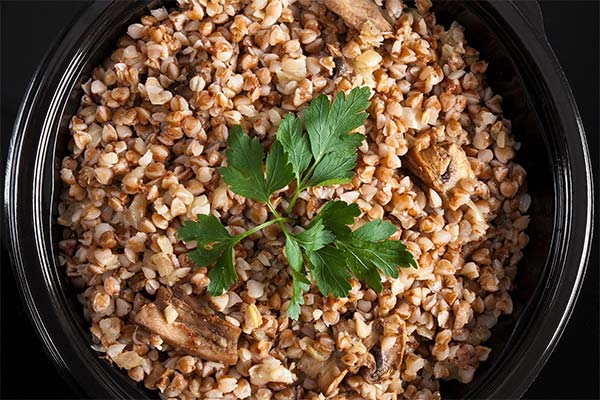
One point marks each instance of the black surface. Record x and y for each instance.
(572, 29)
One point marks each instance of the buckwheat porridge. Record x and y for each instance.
(437, 163)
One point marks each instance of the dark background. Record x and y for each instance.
(27, 30)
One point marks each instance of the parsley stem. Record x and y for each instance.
(309, 173)
(257, 228)
(276, 214)
(273, 210)
(293, 200)
(301, 185)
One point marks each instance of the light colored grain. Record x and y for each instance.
(148, 142)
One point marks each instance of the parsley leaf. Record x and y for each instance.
(375, 231)
(214, 244)
(207, 229)
(328, 266)
(326, 154)
(336, 215)
(223, 274)
(300, 284)
(295, 143)
(244, 173)
(333, 170)
(315, 237)
(293, 252)
(348, 144)
(328, 124)
(279, 171)
(366, 250)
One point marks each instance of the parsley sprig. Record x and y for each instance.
(318, 149)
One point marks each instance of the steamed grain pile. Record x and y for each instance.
(438, 163)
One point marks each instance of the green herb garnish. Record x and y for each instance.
(318, 149)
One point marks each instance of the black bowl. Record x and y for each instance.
(537, 98)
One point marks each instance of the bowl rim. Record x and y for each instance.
(54, 332)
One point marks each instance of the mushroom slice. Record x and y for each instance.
(183, 89)
(389, 352)
(194, 331)
(362, 15)
(329, 373)
(440, 166)
(360, 357)
(331, 377)
(345, 326)
(310, 366)
(349, 327)
(137, 282)
(179, 299)
(158, 371)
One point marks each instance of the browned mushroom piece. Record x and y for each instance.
(345, 326)
(137, 282)
(328, 373)
(348, 326)
(360, 360)
(194, 331)
(158, 371)
(309, 366)
(183, 89)
(362, 15)
(178, 298)
(440, 166)
(331, 377)
(341, 65)
(388, 358)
